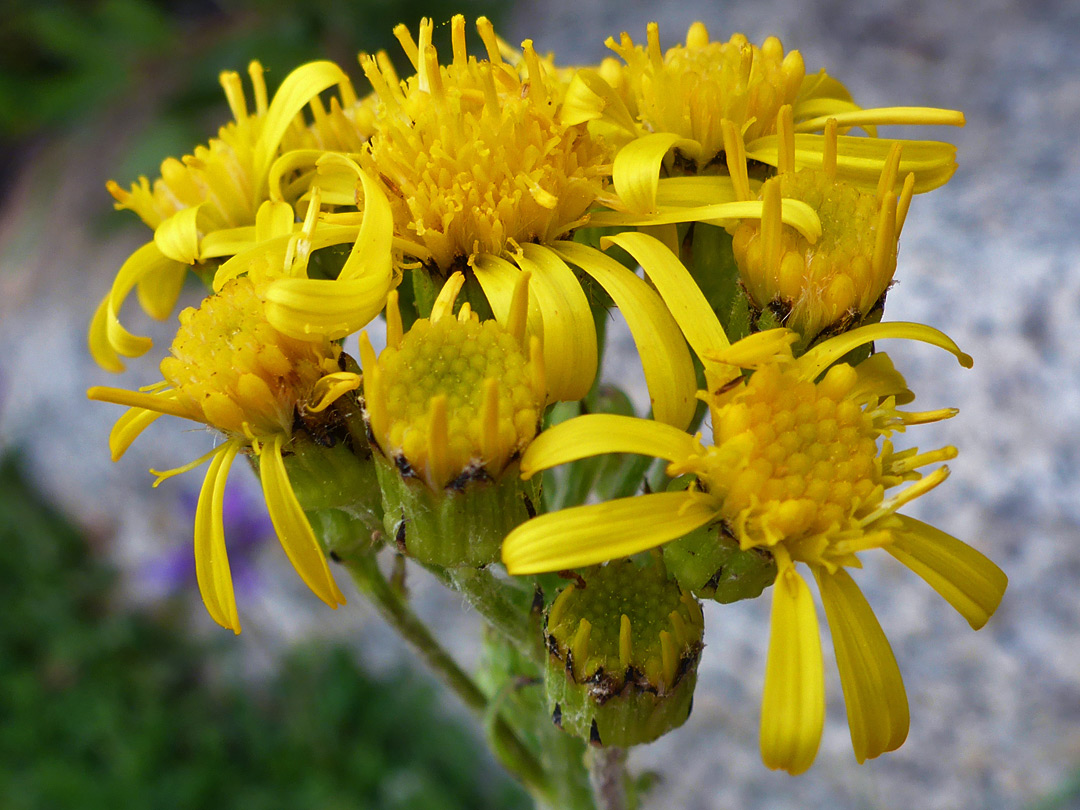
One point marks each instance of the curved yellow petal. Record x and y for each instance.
(211, 559)
(677, 287)
(158, 292)
(227, 242)
(878, 377)
(877, 706)
(586, 535)
(298, 88)
(588, 97)
(128, 428)
(163, 402)
(795, 213)
(793, 703)
(860, 160)
(97, 340)
(570, 352)
(288, 163)
(669, 370)
(966, 579)
(292, 526)
(274, 218)
(703, 189)
(928, 116)
(595, 434)
(329, 388)
(312, 309)
(828, 352)
(145, 262)
(178, 236)
(371, 254)
(636, 170)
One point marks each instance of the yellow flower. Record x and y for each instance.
(454, 396)
(205, 206)
(672, 112)
(482, 177)
(230, 369)
(799, 466)
(835, 282)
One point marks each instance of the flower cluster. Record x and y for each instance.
(495, 207)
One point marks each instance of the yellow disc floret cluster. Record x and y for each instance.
(691, 88)
(454, 396)
(236, 372)
(797, 463)
(837, 279)
(473, 156)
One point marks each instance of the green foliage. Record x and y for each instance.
(102, 709)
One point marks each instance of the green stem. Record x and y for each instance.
(516, 757)
(607, 775)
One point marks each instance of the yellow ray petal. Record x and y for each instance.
(594, 434)
(311, 309)
(678, 289)
(966, 579)
(860, 160)
(793, 703)
(144, 262)
(211, 559)
(570, 354)
(928, 116)
(795, 213)
(879, 377)
(828, 352)
(299, 87)
(586, 535)
(497, 278)
(274, 218)
(877, 706)
(97, 340)
(636, 171)
(371, 253)
(292, 526)
(704, 189)
(227, 242)
(588, 97)
(178, 237)
(163, 402)
(669, 370)
(128, 428)
(158, 292)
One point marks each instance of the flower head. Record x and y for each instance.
(454, 395)
(234, 372)
(483, 177)
(836, 281)
(676, 115)
(801, 465)
(203, 207)
(472, 153)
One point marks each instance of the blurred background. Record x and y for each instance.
(116, 689)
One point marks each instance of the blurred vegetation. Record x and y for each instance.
(67, 64)
(100, 708)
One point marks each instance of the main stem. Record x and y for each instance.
(607, 775)
(517, 758)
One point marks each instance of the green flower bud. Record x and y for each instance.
(623, 644)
